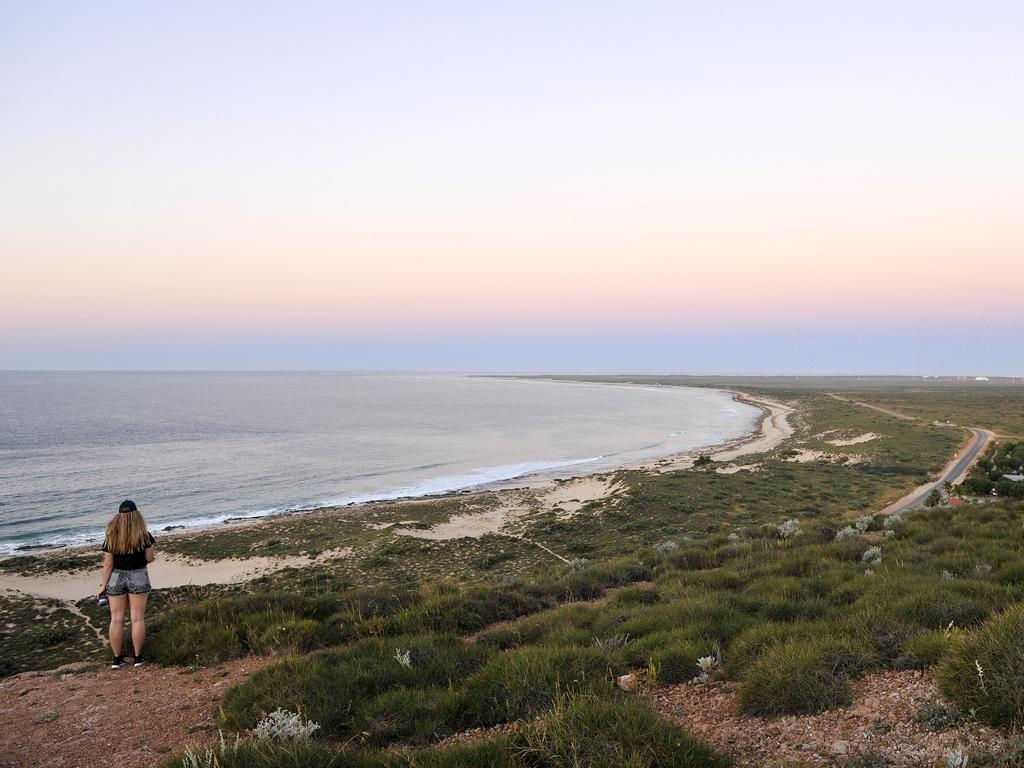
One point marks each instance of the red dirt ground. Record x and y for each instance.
(89, 716)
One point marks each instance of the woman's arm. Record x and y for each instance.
(150, 554)
(108, 566)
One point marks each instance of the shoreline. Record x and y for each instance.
(532, 477)
(516, 497)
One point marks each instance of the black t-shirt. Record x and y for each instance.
(132, 561)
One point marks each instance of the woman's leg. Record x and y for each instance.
(138, 607)
(118, 603)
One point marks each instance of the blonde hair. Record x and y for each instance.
(127, 532)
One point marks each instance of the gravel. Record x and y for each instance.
(879, 722)
(87, 715)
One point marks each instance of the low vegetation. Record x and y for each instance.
(781, 579)
(984, 670)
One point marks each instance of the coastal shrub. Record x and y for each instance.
(606, 731)
(255, 754)
(1011, 573)
(222, 628)
(803, 677)
(407, 715)
(592, 581)
(570, 624)
(879, 630)
(337, 688)
(636, 596)
(982, 670)
(467, 610)
(678, 662)
(520, 683)
(493, 753)
(609, 732)
(749, 645)
(925, 649)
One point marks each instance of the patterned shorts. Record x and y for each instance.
(129, 582)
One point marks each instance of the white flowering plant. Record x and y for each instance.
(872, 555)
(790, 529)
(282, 725)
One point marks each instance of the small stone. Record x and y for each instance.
(839, 748)
(627, 682)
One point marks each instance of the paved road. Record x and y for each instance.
(980, 439)
(953, 472)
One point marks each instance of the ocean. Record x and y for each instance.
(195, 449)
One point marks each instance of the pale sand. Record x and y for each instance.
(732, 469)
(775, 428)
(865, 438)
(566, 497)
(511, 506)
(569, 496)
(805, 455)
(167, 571)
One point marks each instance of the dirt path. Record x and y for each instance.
(879, 408)
(956, 468)
(90, 716)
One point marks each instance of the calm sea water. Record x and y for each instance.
(197, 448)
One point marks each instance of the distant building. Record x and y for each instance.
(1015, 478)
(981, 378)
(955, 502)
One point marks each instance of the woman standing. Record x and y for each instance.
(127, 550)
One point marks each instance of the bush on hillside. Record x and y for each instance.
(678, 662)
(342, 689)
(609, 732)
(802, 677)
(983, 670)
(521, 683)
(606, 731)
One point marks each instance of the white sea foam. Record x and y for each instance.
(437, 486)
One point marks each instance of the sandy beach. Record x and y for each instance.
(542, 492)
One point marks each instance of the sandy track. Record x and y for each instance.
(166, 572)
(879, 408)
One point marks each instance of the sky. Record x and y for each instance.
(759, 187)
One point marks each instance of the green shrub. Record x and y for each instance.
(610, 731)
(883, 631)
(1011, 573)
(747, 647)
(983, 670)
(493, 753)
(591, 582)
(271, 755)
(466, 610)
(925, 649)
(801, 677)
(409, 715)
(636, 596)
(226, 627)
(339, 689)
(678, 662)
(520, 683)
